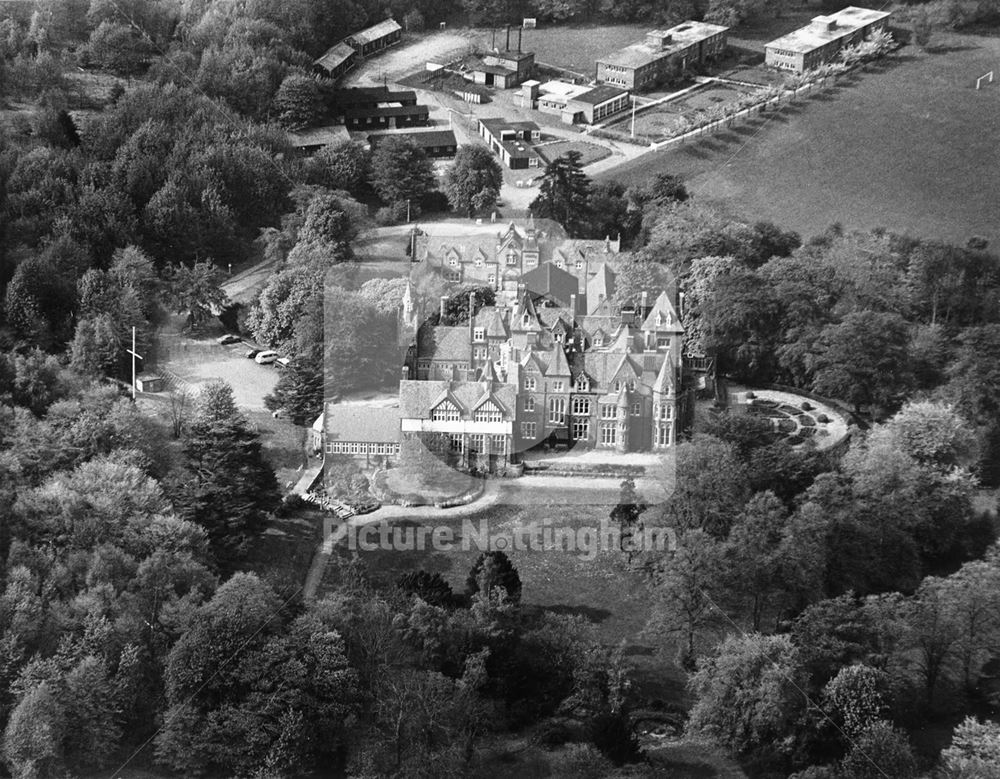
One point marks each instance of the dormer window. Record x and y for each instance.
(618, 386)
(631, 386)
(525, 319)
(453, 261)
(560, 337)
(446, 411)
(579, 264)
(511, 258)
(488, 412)
(582, 385)
(479, 261)
(479, 334)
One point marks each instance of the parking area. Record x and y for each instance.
(197, 362)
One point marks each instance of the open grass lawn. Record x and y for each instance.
(911, 147)
(574, 49)
(430, 483)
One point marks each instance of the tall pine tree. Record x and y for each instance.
(565, 194)
(228, 488)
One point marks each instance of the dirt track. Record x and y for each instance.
(410, 55)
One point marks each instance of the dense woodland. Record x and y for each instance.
(827, 606)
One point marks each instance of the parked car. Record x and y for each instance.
(266, 357)
(251, 353)
(228, 338)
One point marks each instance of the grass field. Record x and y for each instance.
(911, 147)
(574, 49)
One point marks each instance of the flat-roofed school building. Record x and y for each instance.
(821, 41)
(662, 55)
(513, 142)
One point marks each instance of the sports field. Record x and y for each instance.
(912, 147)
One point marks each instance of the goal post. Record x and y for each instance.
(987, 77)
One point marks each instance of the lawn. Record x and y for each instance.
(574, 49)
(589, 152)
(911, 147)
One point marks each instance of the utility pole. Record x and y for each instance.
(407, 210)
(633, 116)
(135, 355)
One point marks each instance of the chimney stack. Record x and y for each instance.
(572, 305)
(507, 47)
(520, 30)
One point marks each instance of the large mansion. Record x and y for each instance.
(555, 362)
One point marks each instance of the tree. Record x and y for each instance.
(197, 291)
(228, 487)
(974, 752)
(252, 690)
(626, 515)
(299, 391)
(564, 194)
(863, 360)
(33, 738)
(613, 213)
(686, 593)
(343, 165)
(753, 553)
(494, 571)
(401, 172)
(299, 102)
(933, 434)
(119, 48)
(880, 751)
(748, 696)
(711, 487)
(429, 587)
(282, 304)
(856, 698)
(473, 181)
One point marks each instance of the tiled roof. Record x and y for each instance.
(361, 423)
(444, 343)
(417, 398)
(551, 282)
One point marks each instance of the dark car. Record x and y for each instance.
(229, 338)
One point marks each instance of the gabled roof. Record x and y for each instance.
(662, 316)
(417, 398)
(335, 56)
(665, 378)
(376, 32)
(551, 282)
(492, 321)
(525, 308)
(600, 288)
(558, 365)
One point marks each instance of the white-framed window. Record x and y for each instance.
(499, 444)
(492, 278)
(477, 442)
(662, 435)
(529, 403)
(559, 337)
(479, 334)
(558, 386)
(663, 342)
(453, 261)
(582, 384)
(479, 261)
(636, 409)
(581, 429)
(454, 275)
(530, 382)
(446, 411)
(618, 386)
(557, 410)
(608, 411)
(456, 443)
(479, 353)
(511, 258)
(355, 448)
(609, 433)
(581, 405)
(631, 386)
(528, 429)
(579, 264)
(489, 412)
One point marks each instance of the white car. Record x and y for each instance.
(266, 357)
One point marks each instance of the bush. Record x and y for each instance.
(806, 421)
(391, 215)
(807, 406)
(750, 396)
(822, 419)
